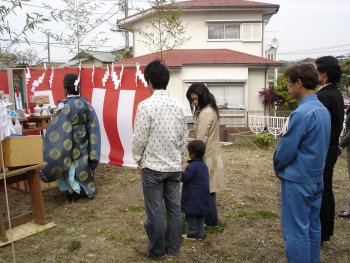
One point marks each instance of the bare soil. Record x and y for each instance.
(109, 227)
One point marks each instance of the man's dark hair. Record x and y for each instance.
(158, 74)
(68, 84)
(196, 148)
(330, 66)
(306, 72)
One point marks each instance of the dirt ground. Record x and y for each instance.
(108, 228)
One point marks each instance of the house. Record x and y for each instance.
(90, 58)
(225, 50)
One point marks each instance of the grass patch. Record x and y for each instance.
(107, 233)
(73, 245)
(110, 235)
(109, 215)
(259, 214)
(44, 233)
(136, 208)
(216, 229)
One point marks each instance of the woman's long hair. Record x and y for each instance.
(205, 97)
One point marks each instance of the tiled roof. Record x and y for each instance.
(207, 5)
(103, 56)
(222, 3)
(180, 57)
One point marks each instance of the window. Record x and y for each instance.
(251, 32)
(224, 31)
(229, 94)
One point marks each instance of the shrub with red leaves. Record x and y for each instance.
(269, 96)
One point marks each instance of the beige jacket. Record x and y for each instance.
(207, 130)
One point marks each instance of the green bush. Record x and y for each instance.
(262, 140)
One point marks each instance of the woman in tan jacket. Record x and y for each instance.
(206, 115)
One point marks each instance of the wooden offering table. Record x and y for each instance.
(30, 174)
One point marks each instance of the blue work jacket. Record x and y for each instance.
(301, 153)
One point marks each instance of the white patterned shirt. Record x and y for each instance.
(160, 133)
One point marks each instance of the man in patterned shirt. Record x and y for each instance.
(159, 137)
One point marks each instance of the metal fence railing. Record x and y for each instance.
(274, 125)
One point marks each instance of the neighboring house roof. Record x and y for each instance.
(179, 57)
(311, 60)
(223, 3)
(73, 62)
(104, 57)
(270, 9)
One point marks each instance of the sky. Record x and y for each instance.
(303, 28)
(310, 28)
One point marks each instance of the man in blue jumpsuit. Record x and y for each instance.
(299, 162)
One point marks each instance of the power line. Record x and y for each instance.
(51, 8)
(321, 49)
(54, 44)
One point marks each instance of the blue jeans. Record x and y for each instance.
(301, 204)
(195, 226)
(161, 188)
(212, 219)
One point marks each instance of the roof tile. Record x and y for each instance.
(181, 57)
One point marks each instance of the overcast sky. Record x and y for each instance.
(311, 28)
(304, 28)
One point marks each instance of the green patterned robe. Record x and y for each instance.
(73, 137)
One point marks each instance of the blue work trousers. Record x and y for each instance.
(301, 204)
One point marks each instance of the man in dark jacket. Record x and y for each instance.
(329, 74)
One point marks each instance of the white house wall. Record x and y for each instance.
(197, 31)
(256, 83)
(179, 79)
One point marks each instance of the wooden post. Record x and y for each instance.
(36, 197)
(3, 236)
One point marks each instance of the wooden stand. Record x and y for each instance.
(42, 122)
(30, 174)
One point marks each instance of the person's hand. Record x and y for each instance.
(274, 174)
(139, 168)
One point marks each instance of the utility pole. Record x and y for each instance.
(48, 47)
(126, 13)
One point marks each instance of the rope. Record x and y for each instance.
(7, 201)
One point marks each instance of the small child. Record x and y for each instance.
(195, 199)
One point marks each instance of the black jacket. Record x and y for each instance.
(332, 99)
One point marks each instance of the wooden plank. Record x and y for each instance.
(19, 220)
(13, 179)
(22, 170)
(3, 237)
(25, 230)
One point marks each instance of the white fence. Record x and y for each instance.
(273, 124)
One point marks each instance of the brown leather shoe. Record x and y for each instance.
(143, 250)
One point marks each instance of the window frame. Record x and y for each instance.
(225, 24)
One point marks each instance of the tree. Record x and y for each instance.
(31, 19)
(13, 59)
(7, 59)
(165, 28)
(79, 23)
(287, 102)
(345, 78)
(269, 97)
(28, 57)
